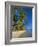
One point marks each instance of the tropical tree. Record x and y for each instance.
(18, 25)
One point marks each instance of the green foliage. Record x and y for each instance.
(14, 18)
(22, 15)
(19, 25)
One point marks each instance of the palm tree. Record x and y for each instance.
(19, 22)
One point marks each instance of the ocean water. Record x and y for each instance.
(27, 33)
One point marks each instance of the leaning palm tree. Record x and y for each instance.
(18, 23)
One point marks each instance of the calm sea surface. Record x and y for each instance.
(27, 33)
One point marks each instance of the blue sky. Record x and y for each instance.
(28, 11)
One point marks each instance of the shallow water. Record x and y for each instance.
(28, 33)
